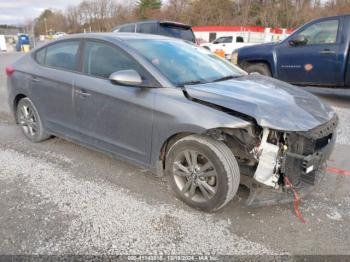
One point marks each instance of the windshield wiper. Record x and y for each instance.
(225, 78)
(194, 82)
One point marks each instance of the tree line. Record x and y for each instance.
(104, 15)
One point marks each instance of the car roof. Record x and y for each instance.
(162, 22)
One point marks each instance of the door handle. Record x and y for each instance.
(327, 51)
(33, 78)
(82, 93)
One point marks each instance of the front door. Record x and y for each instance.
(114, 118)
(314, 61)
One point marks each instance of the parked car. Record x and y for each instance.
(156, 27)
(228, 44)
(59, 35)
(315, 54)
(176, 109)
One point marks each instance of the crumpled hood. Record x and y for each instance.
(272, 103)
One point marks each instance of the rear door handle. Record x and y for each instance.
(33, 78)
(82, 93)
(327, 51)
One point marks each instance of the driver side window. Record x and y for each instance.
(324, 32)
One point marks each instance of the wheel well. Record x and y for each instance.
(16, 101)
(244, 64)
(168, 144)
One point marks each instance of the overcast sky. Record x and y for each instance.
(16, 12)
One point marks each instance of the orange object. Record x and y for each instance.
(220, 52)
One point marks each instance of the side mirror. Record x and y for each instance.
(126, 77)
(298, 40)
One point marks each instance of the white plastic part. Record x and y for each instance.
(267, 162)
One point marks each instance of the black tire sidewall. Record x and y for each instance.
(222, 179)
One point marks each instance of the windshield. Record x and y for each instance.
(184, 63)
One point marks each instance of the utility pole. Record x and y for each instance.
(33, 32)
(45, 25)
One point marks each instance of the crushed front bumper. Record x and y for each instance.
(296, 167)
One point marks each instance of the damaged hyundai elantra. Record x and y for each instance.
(178, 110)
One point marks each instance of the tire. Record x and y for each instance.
(215, 166)
(29, 120)
(260, 68)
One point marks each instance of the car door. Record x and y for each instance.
(313, 61)
(52, 85)
(115, 118)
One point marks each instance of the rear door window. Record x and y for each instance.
(63, 55)
(147, 28)
(178, 32)
(102, 59)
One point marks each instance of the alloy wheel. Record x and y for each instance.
(195, 176)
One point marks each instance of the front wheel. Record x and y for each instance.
(30, 122)
(202, 172)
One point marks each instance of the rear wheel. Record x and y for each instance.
(30, 122)
(202, 172)
(260, 68)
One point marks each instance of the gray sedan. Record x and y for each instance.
(178, 110)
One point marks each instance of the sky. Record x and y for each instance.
(17, 12)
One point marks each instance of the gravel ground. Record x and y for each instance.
(105, 218)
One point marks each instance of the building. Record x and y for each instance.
(250, 34)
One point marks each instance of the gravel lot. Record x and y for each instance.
(60, 198)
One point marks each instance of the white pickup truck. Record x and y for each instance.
(228, 44)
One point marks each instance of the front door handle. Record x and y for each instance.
(327, 51)
(82, 93)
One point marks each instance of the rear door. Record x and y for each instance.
(114, 118)
(314, 62)
(52, 85)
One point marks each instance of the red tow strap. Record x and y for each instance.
(296, 200)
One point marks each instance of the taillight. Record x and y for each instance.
(9, 71)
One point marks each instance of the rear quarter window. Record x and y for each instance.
(127, 28)
(147, 28)
(40, 56)
(62, 55)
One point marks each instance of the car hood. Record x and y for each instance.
(272, 103)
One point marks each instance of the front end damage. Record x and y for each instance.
(268, 157)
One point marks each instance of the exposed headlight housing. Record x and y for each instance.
(234, 58)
